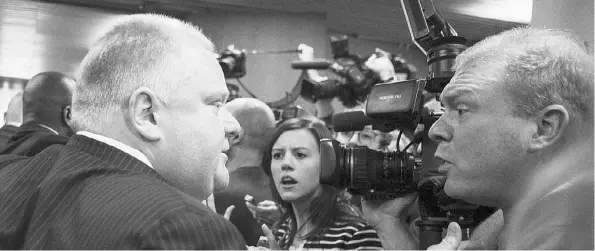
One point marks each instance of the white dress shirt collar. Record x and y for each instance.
(49, 128)
(15, 124)
(119, 145)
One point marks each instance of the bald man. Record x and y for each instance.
(46, 109)
(245, 156)
(13, 118)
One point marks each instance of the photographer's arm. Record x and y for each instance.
(385, 218)
(380, 63)
(395, 235)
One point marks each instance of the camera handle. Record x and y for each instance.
(430, 232)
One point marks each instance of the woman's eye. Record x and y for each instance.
(277, 156)
(301, 155)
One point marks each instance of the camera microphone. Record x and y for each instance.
(350, 121)
(316, 64)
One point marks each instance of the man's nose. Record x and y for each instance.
(440, 131)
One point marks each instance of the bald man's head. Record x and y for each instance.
(14, 112)
(256, 119)
(47, 98)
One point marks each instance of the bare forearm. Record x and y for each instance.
(394, 235)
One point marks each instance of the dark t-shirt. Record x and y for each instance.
(245, 180)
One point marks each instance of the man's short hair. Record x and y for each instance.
(538, 67)
(140, 50)
(46, 94)
(256, 119)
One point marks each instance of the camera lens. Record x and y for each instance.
(380, 172)
(367, 172)
(312, 91)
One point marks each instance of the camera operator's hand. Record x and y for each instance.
(306, 52)
(452, 240)
(375, 212)
(380, 63)
(386, 218)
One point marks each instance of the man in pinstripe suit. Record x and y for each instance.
(151, 128)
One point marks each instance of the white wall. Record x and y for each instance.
(572, 15)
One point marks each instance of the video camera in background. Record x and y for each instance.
(232, 62)
(289, 112)
(356, 79)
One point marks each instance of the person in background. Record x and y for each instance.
(13, 118)
(150, 145)
(46, 111)
(316, 216)
(246, 175)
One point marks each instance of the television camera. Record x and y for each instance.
(355, 78)
(233, 64)
(399, 105)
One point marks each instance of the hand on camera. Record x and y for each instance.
(380, 63)
(376, 212)
(265, 212)
(452, 240)
(306, 52)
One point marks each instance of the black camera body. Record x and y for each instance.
(355, 78)
(396, 105)
(233, 62)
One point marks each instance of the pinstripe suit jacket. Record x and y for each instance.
(89, 195)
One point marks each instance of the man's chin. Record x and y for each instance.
(221, 179)
(462, 191)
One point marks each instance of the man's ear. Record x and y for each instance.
(236, 138)
(66, 115)
(143, 114)
(551, 123)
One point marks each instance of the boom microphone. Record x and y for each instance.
(316, 64)
(350, 121)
